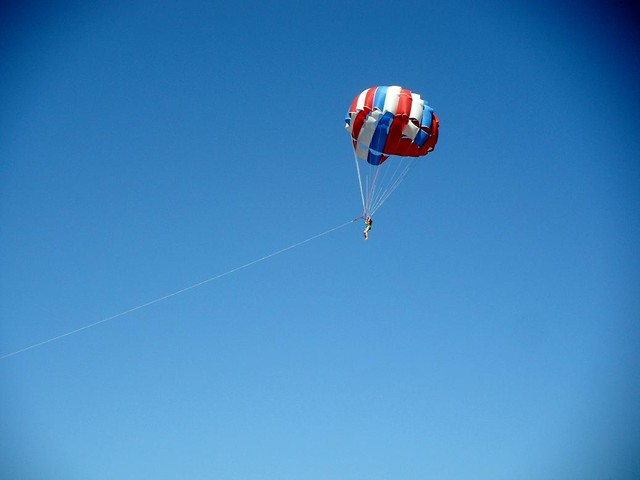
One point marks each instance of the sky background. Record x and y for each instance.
(489, 329)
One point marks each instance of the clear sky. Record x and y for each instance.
(489, 329)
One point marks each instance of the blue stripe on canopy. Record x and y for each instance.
(427, 116)
(379, 98)
(427, 120)
(374, 158)
(421, 137)
(382, 132)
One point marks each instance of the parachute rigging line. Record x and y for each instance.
(364, 206)
(378, 182)
(393, 178)
(177, 292)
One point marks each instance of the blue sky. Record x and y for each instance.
(488, 328)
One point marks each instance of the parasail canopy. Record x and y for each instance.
(387, 121)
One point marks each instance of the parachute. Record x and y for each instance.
(384, 122)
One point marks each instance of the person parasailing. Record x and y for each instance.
(367, 222)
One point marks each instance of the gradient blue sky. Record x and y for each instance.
(489, 328)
